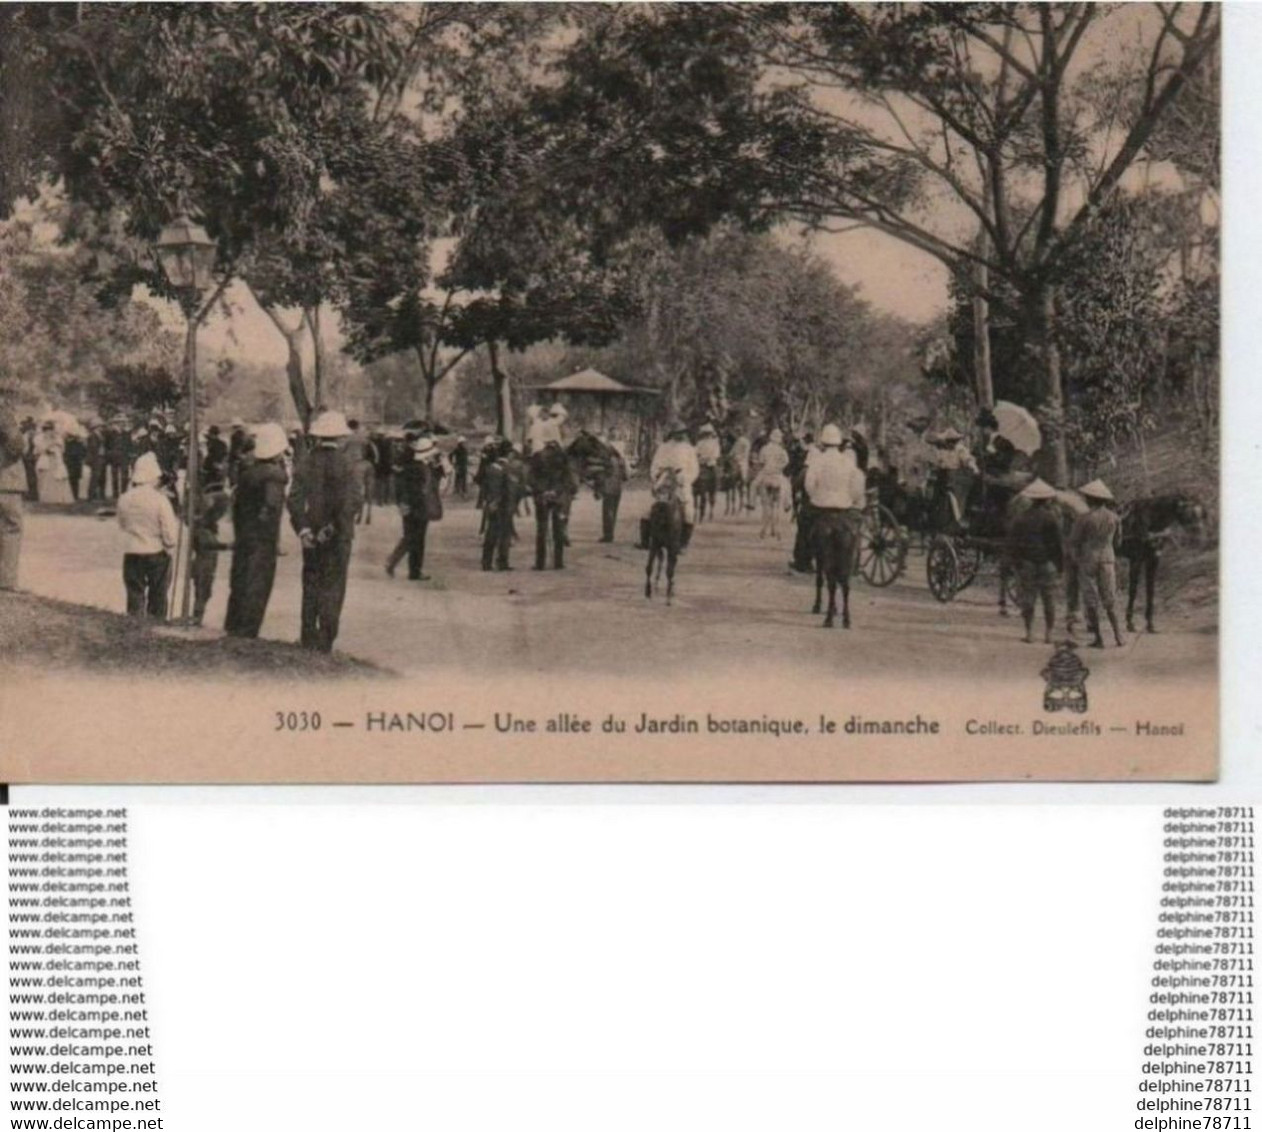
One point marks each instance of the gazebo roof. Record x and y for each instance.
(591, 381)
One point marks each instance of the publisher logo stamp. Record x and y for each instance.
(1066, 680)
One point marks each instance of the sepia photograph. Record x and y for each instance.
(455, 392)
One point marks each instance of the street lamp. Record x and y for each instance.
(187, 256)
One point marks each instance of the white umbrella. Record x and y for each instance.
(65, 423)
(1018, 427)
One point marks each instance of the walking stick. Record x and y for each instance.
(179, 557)
(171, 590)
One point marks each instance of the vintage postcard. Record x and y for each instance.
(471, 392)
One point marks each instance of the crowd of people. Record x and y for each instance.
(834, 479)
(328, 478)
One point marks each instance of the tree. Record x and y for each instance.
(737, 324)
(137, 388)
(515, 268)
(242, 113)
(930, 123)
(738, 320)
(58, 340)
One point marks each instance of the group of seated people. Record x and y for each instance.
(953, 485)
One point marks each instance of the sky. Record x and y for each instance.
(891, 276)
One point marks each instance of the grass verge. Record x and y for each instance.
(40, 633)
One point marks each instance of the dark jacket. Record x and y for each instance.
(206, 529)
(499, 486)
(326, 495)
(216, 465)
(417, 489)
(613, 473)
(259, 502)
(76, 452)
(1036, 536)
(860, 447)
(118, 447)
(552, 474)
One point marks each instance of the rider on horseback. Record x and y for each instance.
(834, 482)
(837, 491)
(675, 454)
(708, 447)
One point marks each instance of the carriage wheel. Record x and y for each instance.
(942, 569)
(882, 548)
(969, 559)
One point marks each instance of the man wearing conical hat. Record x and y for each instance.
(152, 532)
(323, 504)
(1038, 552)
(1092, 545)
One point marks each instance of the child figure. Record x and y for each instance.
(206, 548)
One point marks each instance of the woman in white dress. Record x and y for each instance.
(770, 484)
(50, 466)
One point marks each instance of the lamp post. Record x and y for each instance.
(187, 256)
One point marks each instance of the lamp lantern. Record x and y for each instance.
(187, 254)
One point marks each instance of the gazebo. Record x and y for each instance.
(599, 387)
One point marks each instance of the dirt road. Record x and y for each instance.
(737, 607)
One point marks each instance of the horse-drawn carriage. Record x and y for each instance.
(968, 535)
(883, 544)
(958, 519)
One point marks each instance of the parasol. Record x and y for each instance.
(420, 424)
(1018, 427)
(65, 423)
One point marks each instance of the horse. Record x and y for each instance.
(836, 539)
(705, 491)
(665, 533)
(1146, 524)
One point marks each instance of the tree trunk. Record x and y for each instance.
(503, 393)
(981, 340)
(293, 373)
(312, 316)
(672, 395)
(426, 386)
(430, 386)
(1054, 457)
(293, 362)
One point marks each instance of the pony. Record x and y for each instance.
(665, 533)
(836, 538)
(705, 491)
(1146, 525)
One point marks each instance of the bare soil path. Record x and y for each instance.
(737, 606)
